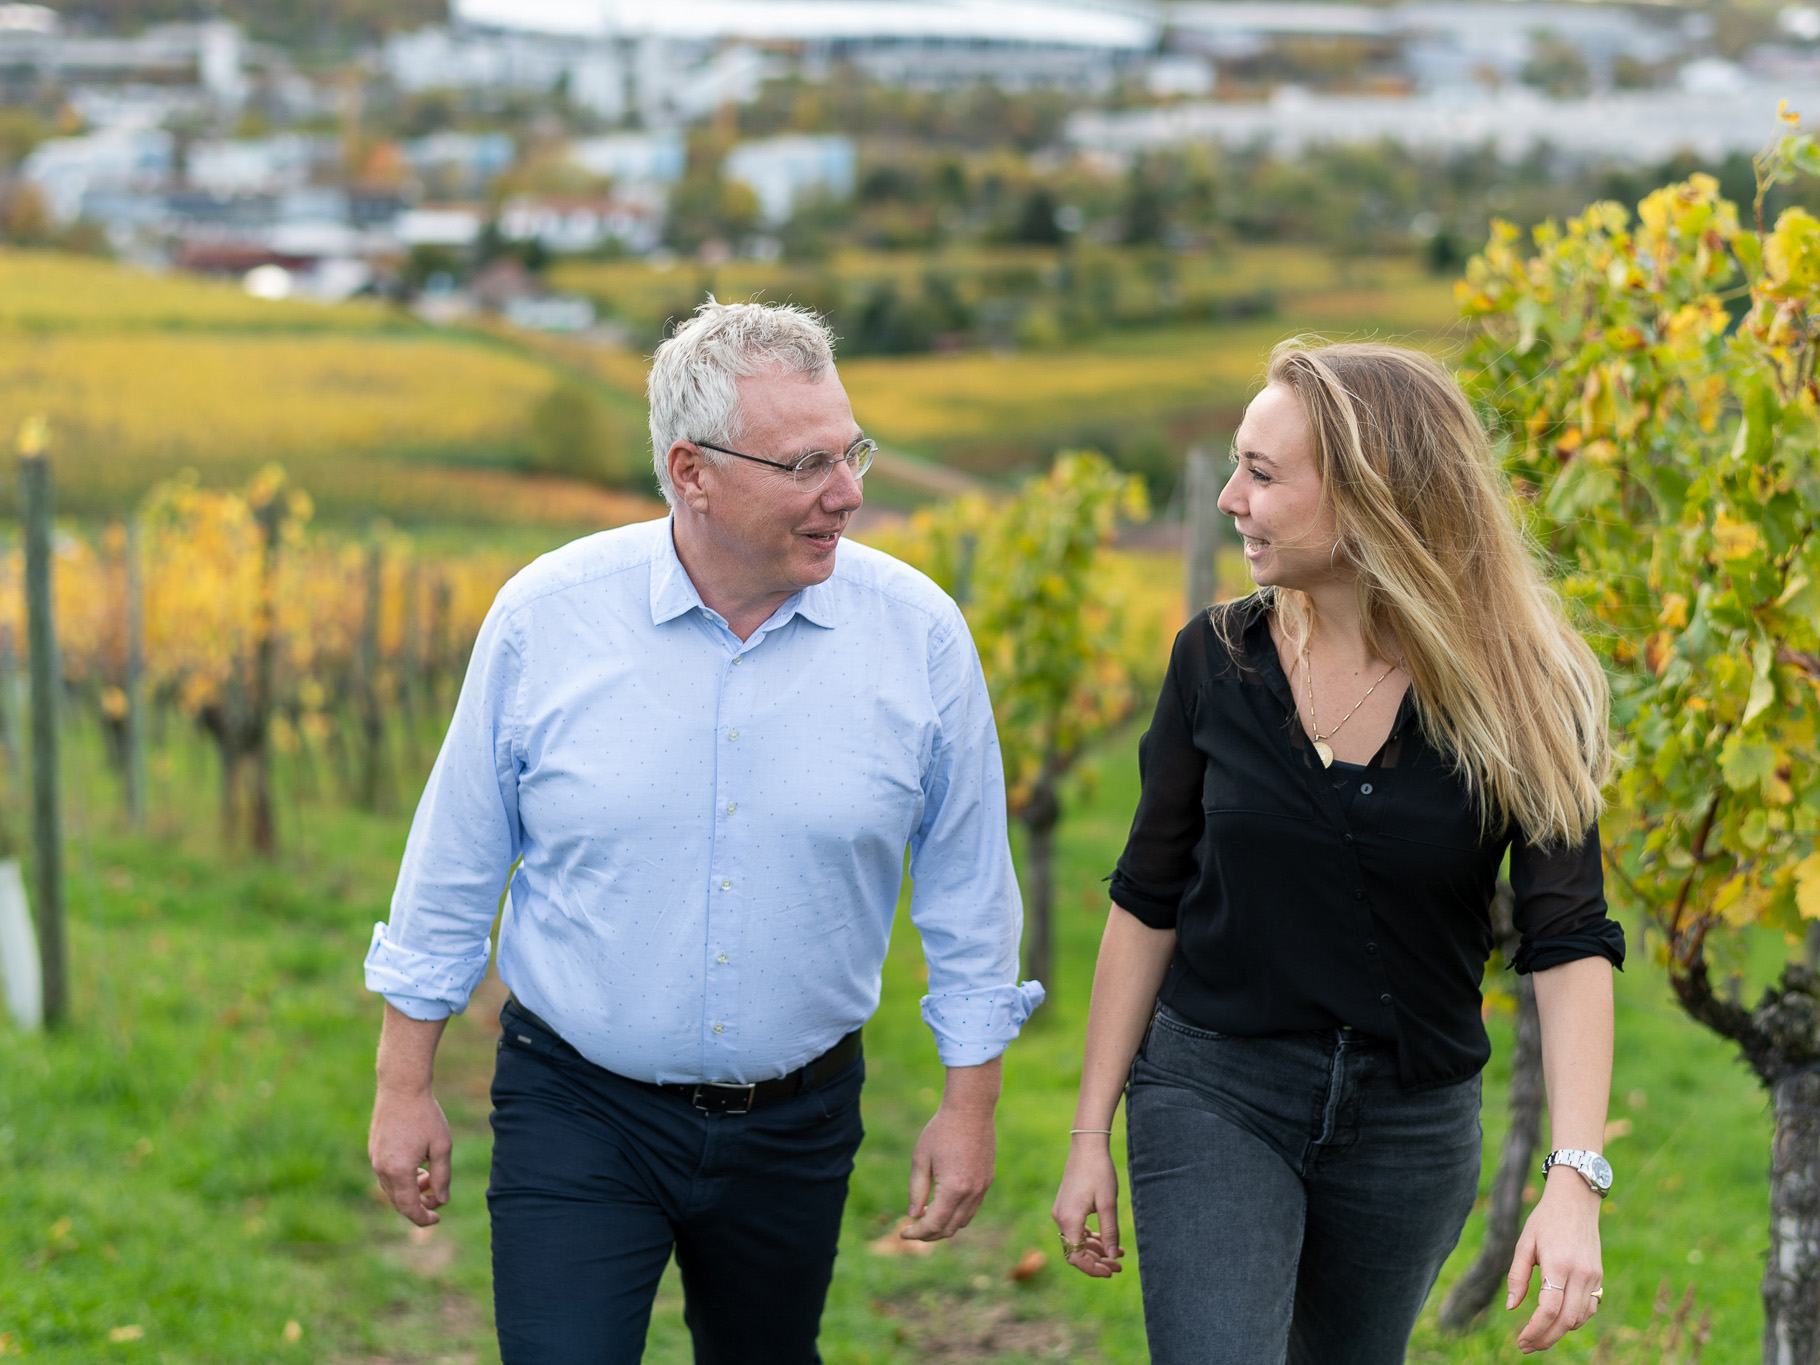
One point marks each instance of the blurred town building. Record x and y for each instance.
(190, 144)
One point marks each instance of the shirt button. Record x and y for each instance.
(739, 658)
(1358, 893)
(726, 885)
(732, 806)
(732, 734)
(1364, 789)
(1382, 1000)
(1346, 839)
(722, 1028)
(1371, 947)
(722, 959)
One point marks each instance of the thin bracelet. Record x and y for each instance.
(1105, 1132)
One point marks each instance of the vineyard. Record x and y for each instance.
(290, 521)
(331, 655)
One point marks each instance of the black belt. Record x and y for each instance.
(712, 1098)
(743, 1099)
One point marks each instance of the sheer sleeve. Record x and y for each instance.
(1159, 860)
(1560, 905)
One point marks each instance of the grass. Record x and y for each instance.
(182, 1171)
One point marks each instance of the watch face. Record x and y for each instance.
(1600, 1171)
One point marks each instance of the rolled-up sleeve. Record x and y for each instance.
(1560, 905)
(431, 953)
(1160, 857)
(965, 899)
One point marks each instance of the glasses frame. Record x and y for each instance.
(795, 471)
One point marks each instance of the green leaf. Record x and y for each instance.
(1743, 763)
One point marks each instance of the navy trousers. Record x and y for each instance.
(597, 1179)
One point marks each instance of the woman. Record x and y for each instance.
(1288, 987)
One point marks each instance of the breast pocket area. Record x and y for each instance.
(1254, 786)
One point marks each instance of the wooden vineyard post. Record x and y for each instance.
(12, 714)
(41, 633)
(1205, 530)
(135, 677)
(372, 724)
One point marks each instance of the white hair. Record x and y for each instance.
(693, 387)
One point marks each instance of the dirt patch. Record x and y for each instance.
(945, 1331)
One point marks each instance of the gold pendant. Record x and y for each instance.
(1325, 752)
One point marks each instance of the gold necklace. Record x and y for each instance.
(1325, 751)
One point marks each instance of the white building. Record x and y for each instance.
(578, 223)
(781, 170)
(268, 165)
(67, 170)
(674, 47)
(1627, 125)
(632, 158)
(592, 75)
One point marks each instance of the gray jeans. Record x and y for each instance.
(1292, 1202)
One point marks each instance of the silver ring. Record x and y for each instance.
(1547, 1285)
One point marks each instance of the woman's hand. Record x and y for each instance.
(1090, 1186)
(1562, 1238)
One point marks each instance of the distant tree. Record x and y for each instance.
(1036, 223)
(1064, 655)
(573, 434)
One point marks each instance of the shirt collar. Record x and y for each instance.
(673, 592)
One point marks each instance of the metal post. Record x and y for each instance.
(35, 503)
(135, 677)
(1205, 529)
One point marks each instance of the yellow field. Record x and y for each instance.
(206, 399)
(40, 290)
(990, 410)
(370, 410)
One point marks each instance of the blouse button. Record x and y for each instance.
(1364, 789)
(1346, 839)
(1383, 999)
(1371, 947)
(1358, 893)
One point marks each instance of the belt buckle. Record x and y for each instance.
(695, 1097)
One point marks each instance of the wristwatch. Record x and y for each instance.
(1594, 1167)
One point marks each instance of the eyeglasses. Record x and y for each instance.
(814, 469)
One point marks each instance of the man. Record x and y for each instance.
(706, 742)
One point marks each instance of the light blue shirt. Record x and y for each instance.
(710, 834)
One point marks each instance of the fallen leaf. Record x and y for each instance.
(893, 1245)
(131, 1332)
(1028, 1265)
(293, 1331)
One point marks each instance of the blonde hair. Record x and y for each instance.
(1449, 586)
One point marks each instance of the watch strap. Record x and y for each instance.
(1586, 1163)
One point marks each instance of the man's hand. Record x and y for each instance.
(951, 1169)
(409, 1146)
(409, 1142)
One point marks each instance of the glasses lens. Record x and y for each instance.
(860, 457)
(813, 470)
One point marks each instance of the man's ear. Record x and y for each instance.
(687, 464)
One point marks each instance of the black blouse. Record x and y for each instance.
(1305, 898)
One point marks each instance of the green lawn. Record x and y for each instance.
(182, 1170)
